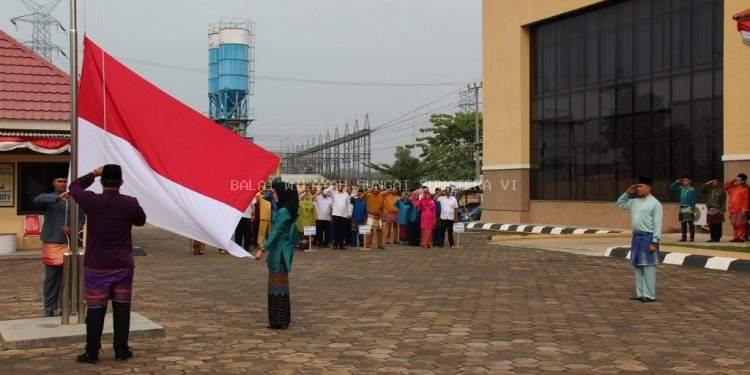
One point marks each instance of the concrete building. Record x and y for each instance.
(34, 133)
(585, 96)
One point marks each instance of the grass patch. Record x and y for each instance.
(737, 248)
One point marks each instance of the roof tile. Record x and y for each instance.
(31, 88)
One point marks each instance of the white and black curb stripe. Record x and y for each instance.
(682, 259)
(541, 229)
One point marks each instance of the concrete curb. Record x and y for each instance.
(542, 229)
(682, 259)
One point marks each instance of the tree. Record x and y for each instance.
(406, 169)
(448, 146)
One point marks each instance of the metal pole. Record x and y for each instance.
(477, 164)
(74, 271)
(66, 289)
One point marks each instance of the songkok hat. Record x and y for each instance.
(112, 174)
(646, 181)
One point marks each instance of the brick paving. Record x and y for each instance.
(480, 309)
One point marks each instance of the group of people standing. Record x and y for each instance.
(415, 217)
(731, 197)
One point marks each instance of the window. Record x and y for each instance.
(34, 179)
(626, 89)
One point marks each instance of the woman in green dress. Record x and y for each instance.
(280, 247)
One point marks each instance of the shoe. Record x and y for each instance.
(647, 300)
(682, 240)
(278, 326)
(88, 358)
(48, 314)
(123, 356)
(381, 247)
(636, 299)
(342, 248)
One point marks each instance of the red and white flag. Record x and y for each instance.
(192, 176)
(743, 25)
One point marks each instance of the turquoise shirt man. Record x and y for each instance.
(646, 218)
(645, 214)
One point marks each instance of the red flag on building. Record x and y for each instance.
(192, 176)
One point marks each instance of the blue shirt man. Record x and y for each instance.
(646, 218)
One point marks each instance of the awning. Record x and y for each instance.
(743, 25)
(43, 143)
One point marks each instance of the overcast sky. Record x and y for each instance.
(374, 41)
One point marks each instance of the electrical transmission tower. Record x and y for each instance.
(336, 156)
(42, 24)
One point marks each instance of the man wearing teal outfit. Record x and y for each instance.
(646, 219)
(684, 189)
(280, 247)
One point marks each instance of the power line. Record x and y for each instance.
(393, 121)
(294, 79)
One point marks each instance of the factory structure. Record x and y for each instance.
(231, 67)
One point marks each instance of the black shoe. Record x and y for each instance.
(682, 240)
(342, 248)
(647, 300)
(123, 356)
(88, 358)
(278, 326)
(636, 299)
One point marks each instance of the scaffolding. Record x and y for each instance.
(336, 156)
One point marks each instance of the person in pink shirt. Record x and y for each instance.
(426, 207)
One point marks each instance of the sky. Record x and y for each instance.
(364, 41)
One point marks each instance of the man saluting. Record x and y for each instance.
(108, 262)
(646, 218)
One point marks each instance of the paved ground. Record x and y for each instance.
(479, 309)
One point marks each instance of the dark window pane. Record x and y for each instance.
(576, 106)
(607, 102)
(34, 179)
(681, 121)
(660, 94)
(702, 118)
(592, 58)
(642, 129)
(680, 88)
(592, 104)
(642, 96)
(702, 19)
(624, 100)
(642, 48)
(703, 84)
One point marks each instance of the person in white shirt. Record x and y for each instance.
(340, 212)
(348, 230)
(448, 214)
(323, 206)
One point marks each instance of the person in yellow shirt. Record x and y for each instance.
(264, 225)
(390, 196)
(375, 213)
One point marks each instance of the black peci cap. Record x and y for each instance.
(112, 174)
(646, 181)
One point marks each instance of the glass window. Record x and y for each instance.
(626, 89)
(35, 179)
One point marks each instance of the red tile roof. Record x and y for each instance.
(31, 88)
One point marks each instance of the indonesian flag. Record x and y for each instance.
(192, 176)
(743, 25)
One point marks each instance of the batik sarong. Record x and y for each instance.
(103, 285)
(279, 306)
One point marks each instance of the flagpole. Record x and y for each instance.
(72, 281)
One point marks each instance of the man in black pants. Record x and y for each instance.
(108, 261)
(448, 214)
(340, 213)
(242, 234)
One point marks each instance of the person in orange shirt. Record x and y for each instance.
(390, 196)
(738, 201)
(374, 199)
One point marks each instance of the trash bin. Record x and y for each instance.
(7, 243)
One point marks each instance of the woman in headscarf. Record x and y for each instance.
(280, 247)
(426, 207)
